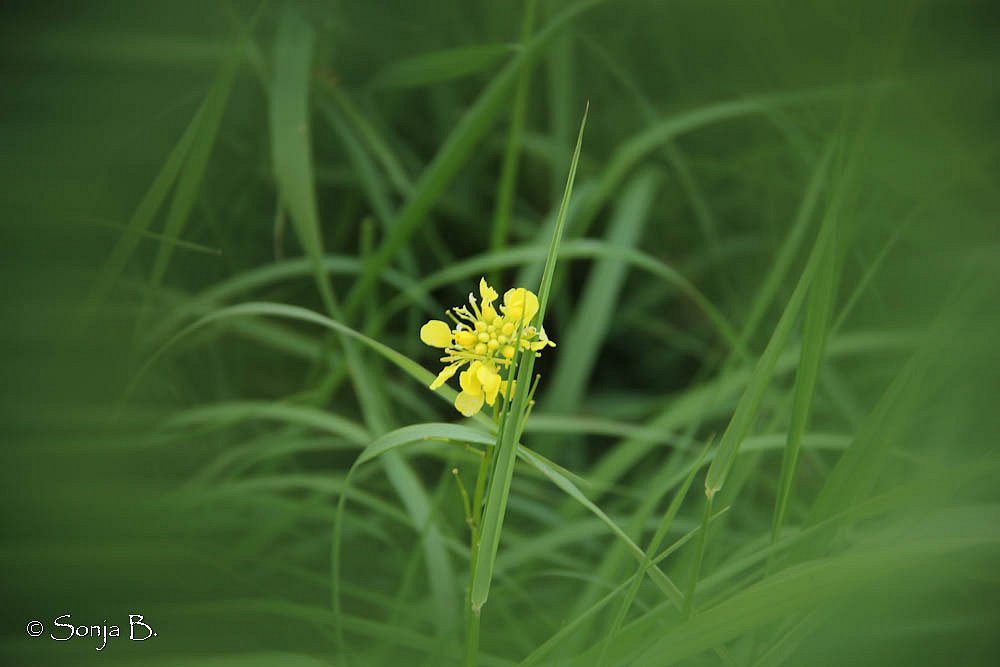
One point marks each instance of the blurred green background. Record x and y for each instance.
(370, 161)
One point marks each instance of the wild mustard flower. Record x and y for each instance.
(485, 339)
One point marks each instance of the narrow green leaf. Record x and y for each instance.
(290, 140)
(512, 151)
(190, 179)
(418, 432)
(510, 433)
(440, 66)
(662, 581)
(749, 403)
(140, 221)
(227, 413)
(815, 332)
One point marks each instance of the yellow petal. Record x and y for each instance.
(469, 379)
(542, 336)
(508, 351)
(436, 334)
(445, 375)
(468, 404)
(488, 294)
(520, 304)
(491, 387)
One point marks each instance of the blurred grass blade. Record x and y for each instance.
(190, 179)
(290, 141)
(440, 66)
(814, 336)
(594, 313)
(510, 433)
(409, 434)
(801, 588)
(570, 249)
(662, 581)
(746, 409)
(227, 413)
(453, 154)
(143, 216)
(512, 151)
(654, 544)
(790, 248)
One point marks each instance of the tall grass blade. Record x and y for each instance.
(746, 409)
(814, 336)
(499, 487)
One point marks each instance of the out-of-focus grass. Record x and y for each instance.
(782, 244)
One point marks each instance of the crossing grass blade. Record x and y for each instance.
(449, 159)
(190, 179)
(141, 220)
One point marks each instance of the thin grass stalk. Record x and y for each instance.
(512, 152)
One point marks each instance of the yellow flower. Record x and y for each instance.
(486, 340)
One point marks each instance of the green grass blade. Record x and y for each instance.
(300, 415)
(449, 159)
(440, 66)
(749, 403)
(192, 175)
(814, 336)
(499, 487)
(140, 221)
(290, 141)
(654, 544)
(512, 151)
(595, 311)
(662, 581)
(422, 432)
(790, 248)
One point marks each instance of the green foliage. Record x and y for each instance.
(769, 264)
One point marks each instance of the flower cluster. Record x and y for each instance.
(486, 340)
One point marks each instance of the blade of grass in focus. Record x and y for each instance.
(499, 484)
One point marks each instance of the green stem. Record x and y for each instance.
(699, 555)
(471, 616)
